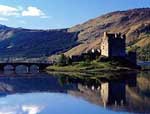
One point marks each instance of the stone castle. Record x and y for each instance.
(113, 45)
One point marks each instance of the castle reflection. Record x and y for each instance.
(114, 92)
(110, 92)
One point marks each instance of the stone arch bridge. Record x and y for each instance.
(41, 66)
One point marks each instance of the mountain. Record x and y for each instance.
(135, 23)
(17, 42)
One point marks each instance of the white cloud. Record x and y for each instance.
(33, 11)
(44, 16)
(3, 19)
(20, 8)
(8, 110)
(22, 21)
(18, 11)
(23, 109)
(8, 11)
(31, 109)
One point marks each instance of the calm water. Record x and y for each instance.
(42, 93)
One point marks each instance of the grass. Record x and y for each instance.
(89, 67)
(94, 76)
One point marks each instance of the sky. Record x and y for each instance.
(53, 14)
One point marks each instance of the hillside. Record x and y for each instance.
(142, 47)
(134, 23)
(34, 43)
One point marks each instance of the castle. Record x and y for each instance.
(113, 45)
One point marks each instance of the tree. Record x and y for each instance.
(68, 61)
(63, 60)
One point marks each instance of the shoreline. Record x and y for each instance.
(60, 69)
(97, 67)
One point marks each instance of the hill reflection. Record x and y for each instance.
(128, 92)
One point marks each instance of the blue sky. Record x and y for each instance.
(46, 14)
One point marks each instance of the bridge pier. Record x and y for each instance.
(27, 69)
(1, 68)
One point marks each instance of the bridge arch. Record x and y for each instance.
(8, 67)
(24, 66)
(21, 68)
(34, 68)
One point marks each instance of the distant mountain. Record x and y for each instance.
(134, 23)
(18, 42)
(3, 27)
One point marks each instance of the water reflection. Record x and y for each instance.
(130, 92)
(20, 69)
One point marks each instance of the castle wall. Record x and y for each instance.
(117, 47)
(113, 93)
(117, 93)
(105, 93)
(105, 48)
(113, 45)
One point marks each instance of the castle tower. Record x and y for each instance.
(113, 45)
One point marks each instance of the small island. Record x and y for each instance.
(111, 56)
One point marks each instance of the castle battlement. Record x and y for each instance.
(114, 35)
